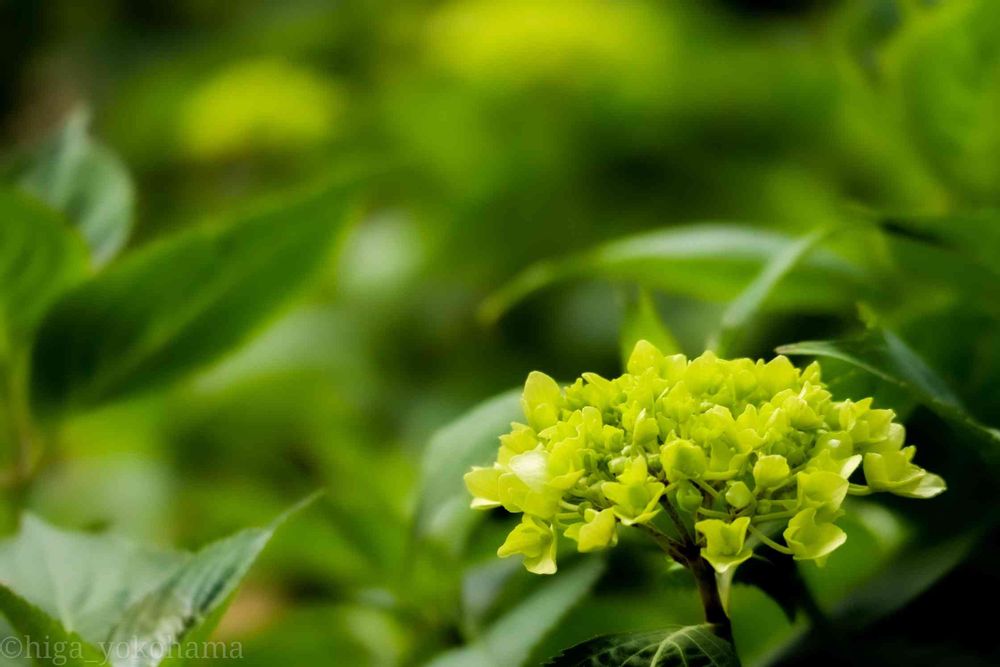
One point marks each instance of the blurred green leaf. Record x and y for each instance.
(750, 301)
(176, 305)
(888, 357)
(708, 261)
(643, 322)
(33, 624)
(39, 258)
(945, 64)
(680, 646)
(76, 175)
(117, 594)
(443, 505)
(509, 641)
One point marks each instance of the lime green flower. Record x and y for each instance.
(724, 442)
(536, 541)
(893, 472)
(739, 495)
(770, 470)
(682, 459)
(598, 531)
(634, 498)
(484, 485)
(725, 542)
(812, 540)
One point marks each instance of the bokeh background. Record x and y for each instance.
(505, 133)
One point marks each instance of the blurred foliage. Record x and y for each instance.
(251, 250)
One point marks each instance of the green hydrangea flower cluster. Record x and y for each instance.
(732, 452)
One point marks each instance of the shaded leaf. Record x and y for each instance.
(39, 258)
(751, 300)
(708, 261)
(642, 321)
(886, 356)
(509, 641)
(179, 304)
(687, 646)
(83, 179)
(443, 505)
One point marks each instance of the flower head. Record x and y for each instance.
(735, 443)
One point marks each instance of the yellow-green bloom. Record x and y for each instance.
(598, 531)
(893, 472)
(635, 498)
(770, 470)
(682, 459)
(812, 540)
(725, 543)
(536, 541)
(737, 438)
(484, 485)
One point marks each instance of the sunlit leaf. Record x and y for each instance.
(76, 175)
(509, 641)
(708, 261)
(54, 645)
(688, 646)
(176, 305)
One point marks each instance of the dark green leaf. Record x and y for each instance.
(688, 646)
(886, 356)
(708, 261)
(86, 181)
(443, 506)
(177, 305)
(643, 322)
(39, 258)
(509, 641)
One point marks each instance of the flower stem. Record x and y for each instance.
(711, 601)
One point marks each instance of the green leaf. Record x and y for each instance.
(510, 640)
(643, 322)
(443, 507)
(742, 309)
(52, 643)
(39, 258)
(83, 179)
(84, 582)
(707, 261)
(179, 304)
(135, 603)
(687, 646)
(886, 356)
(945, 67)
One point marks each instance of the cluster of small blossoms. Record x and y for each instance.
(723, 454)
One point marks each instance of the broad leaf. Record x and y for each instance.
(53, 644)
(510, 640)
(39, 258)
(133, 604)
(643, 322)
(708, 261)
(87, 182)
(689, 646)
(177, 305)
(443, 506)
(886, 356)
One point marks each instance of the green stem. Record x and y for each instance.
(769, 542)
